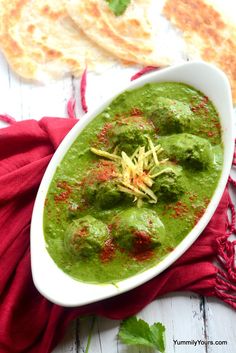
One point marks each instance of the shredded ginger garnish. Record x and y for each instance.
(137, 171)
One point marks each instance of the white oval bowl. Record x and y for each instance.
(62, 289)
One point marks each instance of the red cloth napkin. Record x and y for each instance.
(30, 323)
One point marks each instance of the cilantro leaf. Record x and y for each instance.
(138, 332)
(158, 330)
(118, 7)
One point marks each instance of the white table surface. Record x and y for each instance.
(186, 316)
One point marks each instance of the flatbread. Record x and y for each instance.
(209, 35)
(129, 36)
(41, 41)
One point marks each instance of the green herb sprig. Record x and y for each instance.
(135, 331)
(118, 7)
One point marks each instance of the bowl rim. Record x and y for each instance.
(59, 279)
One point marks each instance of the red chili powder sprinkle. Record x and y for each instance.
(81, 233)
(71, 108)
(110, 227)
(180, 208)
(106, 172)
(102, 136)
(64, 185)
(83, 86)
(143, 72)
(170, 248)
(136, 112)
(198, 215)
(142, 241)
(217, 126)
(108, 251)
(193, 196)
(63, 196)
(7, 119)
(201, 105)
(144, 255)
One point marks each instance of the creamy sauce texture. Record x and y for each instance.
(74, 205)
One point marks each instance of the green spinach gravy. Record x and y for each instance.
(134, 183)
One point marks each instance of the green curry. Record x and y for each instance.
(134, 183)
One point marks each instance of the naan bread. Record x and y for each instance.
(40, 40)
(129, 36)
(208, 33)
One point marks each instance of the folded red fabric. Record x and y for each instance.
(30, 323)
